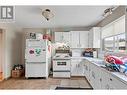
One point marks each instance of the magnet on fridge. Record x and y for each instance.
(38, 51)
(31, 51)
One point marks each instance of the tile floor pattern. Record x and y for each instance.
(50, 83)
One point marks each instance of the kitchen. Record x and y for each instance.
(72, 56)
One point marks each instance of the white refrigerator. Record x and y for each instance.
(37, 58)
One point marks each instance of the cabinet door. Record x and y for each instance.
(96, 37)
(95, 77)
(66, 37)
(90, 39)
(105, 80)
(107, 30)
(86, 69)
(73, 67)
(58, 37)
(119, 26)
(77, 67)
(80, 69)
(116, 83)
(74, 39)
(83, 41)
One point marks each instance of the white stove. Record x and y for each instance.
(61, 65)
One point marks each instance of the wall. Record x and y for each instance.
(0, 50)
(12, 47)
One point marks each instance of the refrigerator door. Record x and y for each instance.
(35, 70)
(35, 50)
(35, 54)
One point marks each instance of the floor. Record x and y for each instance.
(50, 83)
(1, 76)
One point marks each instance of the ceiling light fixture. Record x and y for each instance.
(47, 14)
(108, 11)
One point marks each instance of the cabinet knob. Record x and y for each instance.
(100, 79)
(110, 79)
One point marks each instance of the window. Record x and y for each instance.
(115, 43)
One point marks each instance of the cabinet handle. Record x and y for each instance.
(100, 79)
(86, 68)
(93, 74)
(110, 79)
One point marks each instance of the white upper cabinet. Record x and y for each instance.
(83, 39)
(114, 28)
(79, 39)
(62, 37)
(108, 31)
(58, 36)
(66, 37)
(74, 39)
(119, 26)
(94, 38)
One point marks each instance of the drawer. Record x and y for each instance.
(62, 74)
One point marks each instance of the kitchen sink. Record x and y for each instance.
(108, 69)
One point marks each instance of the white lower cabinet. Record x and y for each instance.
(111, 82)
(95, 76)
(117, 83)
(77, 67)
(86, 69)
(105, 80)
(101, 79)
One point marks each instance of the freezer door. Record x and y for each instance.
(35, 43)
(35, 54)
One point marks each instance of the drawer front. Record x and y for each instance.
(61, 74)
(116, 83)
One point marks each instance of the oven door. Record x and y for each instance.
(61, 65)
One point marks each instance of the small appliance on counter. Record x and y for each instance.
(89, 52)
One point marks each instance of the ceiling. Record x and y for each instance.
(65, 16)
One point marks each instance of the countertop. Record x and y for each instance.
(122, 77)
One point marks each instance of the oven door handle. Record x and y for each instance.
(61, 63)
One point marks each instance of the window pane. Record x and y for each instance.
(108, 44)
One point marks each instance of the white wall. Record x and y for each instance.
(12, 47)
(0, 50)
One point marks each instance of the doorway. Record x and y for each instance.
(1, 55)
